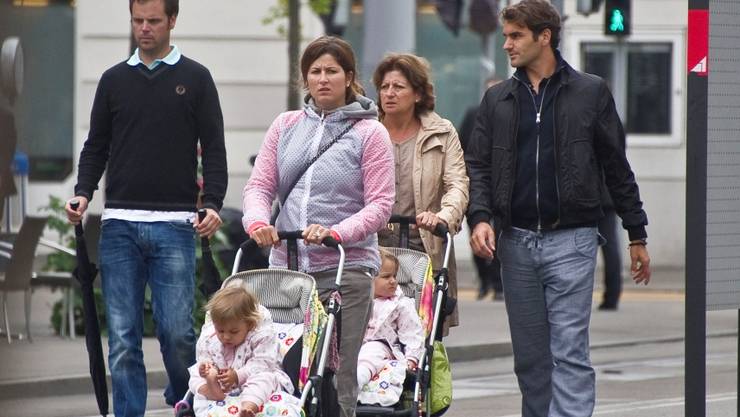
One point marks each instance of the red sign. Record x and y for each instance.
(698, 48)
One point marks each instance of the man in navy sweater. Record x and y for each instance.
(148, 117)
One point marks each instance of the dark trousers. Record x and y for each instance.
(612, 259)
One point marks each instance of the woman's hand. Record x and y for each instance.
(265, 236)
(315, 233)
(228, 379)
(428, 220)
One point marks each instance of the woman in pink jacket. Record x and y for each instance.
(346, 193)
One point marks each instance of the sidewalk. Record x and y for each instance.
(52, 365)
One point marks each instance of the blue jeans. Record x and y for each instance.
(162, 256)
(548, 282)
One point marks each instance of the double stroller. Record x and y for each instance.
(427, 392)
(303, 326)
(291, 297)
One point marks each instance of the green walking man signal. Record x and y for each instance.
(617, 17)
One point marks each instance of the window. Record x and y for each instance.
(44, 111)
(640, 77)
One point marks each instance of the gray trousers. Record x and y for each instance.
(548, 282)
(357, 297)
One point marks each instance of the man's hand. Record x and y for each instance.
(483, 240)
(209, 225)
(640, 264)
(75, 216)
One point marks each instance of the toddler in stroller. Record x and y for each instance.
(237, 365)
(427, 391)
(394, 331)
(299, 324)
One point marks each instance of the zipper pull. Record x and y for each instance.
(538, 117)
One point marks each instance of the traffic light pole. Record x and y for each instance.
(695, 350)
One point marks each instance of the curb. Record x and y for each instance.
(157, 378)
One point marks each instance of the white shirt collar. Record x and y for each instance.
(170, 59)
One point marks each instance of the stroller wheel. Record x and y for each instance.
(182, 409)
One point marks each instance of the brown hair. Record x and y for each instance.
(417, 70)
(384, 254)
(171, 7)
(536, 15)
(345, 56)
(234, 303)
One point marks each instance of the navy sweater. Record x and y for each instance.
(146, 125)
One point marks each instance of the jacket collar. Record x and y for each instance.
(432, 124)
(563, 70)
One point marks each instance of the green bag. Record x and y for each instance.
(440, 384)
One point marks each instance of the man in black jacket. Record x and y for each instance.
(148, 118)
(541, 142)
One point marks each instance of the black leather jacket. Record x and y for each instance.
(589, 141)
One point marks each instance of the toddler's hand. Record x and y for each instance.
(411, 365)
(204, 368)
(228, 379)
(249, 409)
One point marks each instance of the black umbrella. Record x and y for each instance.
(85, 272)
(210, 278)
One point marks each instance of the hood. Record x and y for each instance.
(361, 108)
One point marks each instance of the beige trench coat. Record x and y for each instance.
(440, 186)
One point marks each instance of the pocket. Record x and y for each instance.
(184, 227)
(586, 241)
(585, 174)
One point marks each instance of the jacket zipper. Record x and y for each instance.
(537, 154)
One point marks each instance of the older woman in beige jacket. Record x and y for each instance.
(431, 180)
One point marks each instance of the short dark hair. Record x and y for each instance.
(536, 15)
(171, 7)
(342, 51)
(417, 70)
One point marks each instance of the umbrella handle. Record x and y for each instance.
(75, 204)
(201, 216)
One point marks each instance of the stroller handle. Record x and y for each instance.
(440, 230)
(328, 241)
(292, 237)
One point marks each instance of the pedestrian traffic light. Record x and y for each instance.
(617, 17)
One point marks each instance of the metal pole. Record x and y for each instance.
(390, 26)
(294, 40)
(695, 350)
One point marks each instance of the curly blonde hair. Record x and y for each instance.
(384, 254)
(234, 303)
